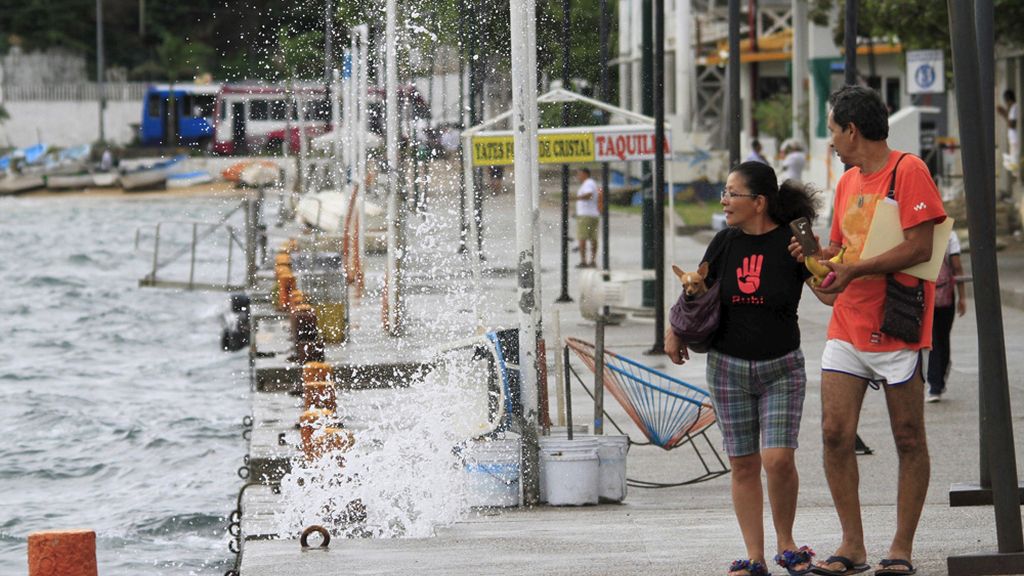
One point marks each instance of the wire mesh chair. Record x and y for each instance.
(670, 412)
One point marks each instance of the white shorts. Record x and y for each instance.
(892, 368)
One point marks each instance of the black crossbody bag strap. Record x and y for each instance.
(892, 181)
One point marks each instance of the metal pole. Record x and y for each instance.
(850, 43)
(391, 89)
(647, 108)
(464, 114)
(336, 107)
(659, 177)
(799, 66)
(734, 82)
(980, 182)
(328, 39)
(684, 64)
(100, 85)
(606, 96)
(250, 241)
(559, 369)
(524, 119)
(566, 44)
(192, 262)
(984, 33)
(599, 376)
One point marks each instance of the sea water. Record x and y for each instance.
(118, 411)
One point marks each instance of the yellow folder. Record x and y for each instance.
(886, 233)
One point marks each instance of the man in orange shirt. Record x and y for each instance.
(857, 353)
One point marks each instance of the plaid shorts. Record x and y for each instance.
(757, 400)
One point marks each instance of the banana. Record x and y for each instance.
(818, 270)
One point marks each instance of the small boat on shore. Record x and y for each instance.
(68, 180)
(24, 170)
(186, 179)
(106, 179)
(149, 177)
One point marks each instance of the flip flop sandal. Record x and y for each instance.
(886, 571)
(789, 558)
(753, 568)
(849, 567)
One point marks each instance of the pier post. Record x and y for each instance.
(251, 239)
(524, 120)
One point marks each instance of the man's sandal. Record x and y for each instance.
(789, 558)
(849, 567)
(886, 569)
(752, 568)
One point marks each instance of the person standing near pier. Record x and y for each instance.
(858, 353)
(755, 369)
(588, 217)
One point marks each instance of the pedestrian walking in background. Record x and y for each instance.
(755, 152)
(950, 299)
(1009, 113)
(755, 369)
(859, 352)
(794, 160)
(588, 216)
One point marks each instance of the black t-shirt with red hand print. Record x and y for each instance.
(761, 288)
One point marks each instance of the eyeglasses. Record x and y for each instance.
(729, 195)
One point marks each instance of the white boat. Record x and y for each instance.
(24, 170)
(68, 180)
(186, 179)
(105, 179)
(149, 177)
(326, 211)
(15, 183)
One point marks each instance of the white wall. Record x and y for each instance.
(68, 123)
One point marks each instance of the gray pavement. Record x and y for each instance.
(686, 530)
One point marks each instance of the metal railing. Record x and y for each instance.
(75, 92)
(191, 249)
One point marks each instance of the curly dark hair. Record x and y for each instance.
(787, 202)
(862, 107)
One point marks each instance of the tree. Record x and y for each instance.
(917, 24)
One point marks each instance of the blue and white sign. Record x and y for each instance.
(926, 72)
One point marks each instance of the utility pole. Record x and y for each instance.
(394, 265)
(100, 87)
(328, 39)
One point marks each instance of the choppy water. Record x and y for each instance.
(118, 411)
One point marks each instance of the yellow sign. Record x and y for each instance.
(492, 150)
(565, 148)
(552, 149)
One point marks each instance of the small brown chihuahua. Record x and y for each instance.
(693, 282)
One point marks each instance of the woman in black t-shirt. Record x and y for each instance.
(755, 369)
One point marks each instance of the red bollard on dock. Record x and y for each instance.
(62, 553)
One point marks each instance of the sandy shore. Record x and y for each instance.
(220, 189)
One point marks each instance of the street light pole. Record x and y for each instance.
(566, 43)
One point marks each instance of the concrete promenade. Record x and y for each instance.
(688, 530)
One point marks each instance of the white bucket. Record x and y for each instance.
(569, 471)
(611, 451)
(492, 472)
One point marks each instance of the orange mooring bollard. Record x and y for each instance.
(285, 286)
(320, 395)
(62, 553)
(317, 372)
(309, 421)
